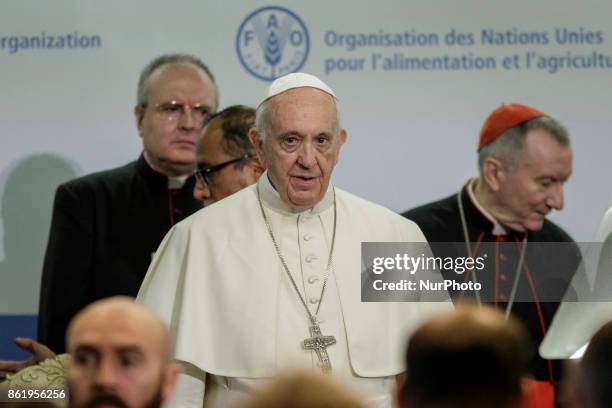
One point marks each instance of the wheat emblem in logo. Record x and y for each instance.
(271, 42)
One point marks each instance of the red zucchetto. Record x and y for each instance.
(503, 118)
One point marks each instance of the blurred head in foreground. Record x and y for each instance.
(302, 390)
(472, 358)
(593, 382)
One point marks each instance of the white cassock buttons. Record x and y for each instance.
(314, 300)
(310, 258)
(313, 279)
(307, 237)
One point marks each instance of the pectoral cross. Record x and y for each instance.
(319, 344)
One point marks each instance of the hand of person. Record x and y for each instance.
(39, 352)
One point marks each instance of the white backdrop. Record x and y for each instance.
(67, 110)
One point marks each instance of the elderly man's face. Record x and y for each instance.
(228, 180)
(117, 360)
(302, 145)
(529, 192)
(179, 97)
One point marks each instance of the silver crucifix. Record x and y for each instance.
(319, 344)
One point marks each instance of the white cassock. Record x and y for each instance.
(236, 319)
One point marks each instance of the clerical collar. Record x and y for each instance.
(498, 229)
(158, 179)
(177, 182)
(272, 198)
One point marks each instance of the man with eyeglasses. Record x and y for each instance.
(107, 225)
(269, 278)
(227, 163)
(226, 158)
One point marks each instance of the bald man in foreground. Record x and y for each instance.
(120, 356)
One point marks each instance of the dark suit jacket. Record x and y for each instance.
(104, 230)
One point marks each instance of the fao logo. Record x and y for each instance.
(271, 42)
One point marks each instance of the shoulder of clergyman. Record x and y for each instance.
(551, 232)
(375, 220)
(223, 225)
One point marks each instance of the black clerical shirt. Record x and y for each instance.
(104, 230)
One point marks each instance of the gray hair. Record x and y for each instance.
(142, 93)
(262, 120)
(510, 145)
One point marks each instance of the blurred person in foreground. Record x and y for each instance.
(303, 390)
(593, 378)
(119, 356)
(470, 358)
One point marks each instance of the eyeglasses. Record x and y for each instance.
(202, 173)
(172, 111)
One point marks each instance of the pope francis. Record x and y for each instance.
(269, 278)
